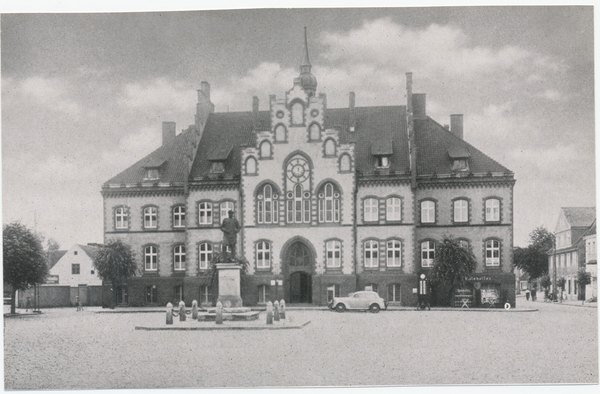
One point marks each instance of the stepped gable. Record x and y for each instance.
(434, 142)
(223, 131)
(373, 125)
(580, 216)
(172, 154)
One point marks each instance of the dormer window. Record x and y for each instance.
(218, 157)
(460, 158)
(382, 150)
(153, 168)
(217, 167)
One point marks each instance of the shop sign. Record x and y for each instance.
(52, 279)
(478, 278)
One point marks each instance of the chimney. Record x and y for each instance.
(419, 105)
(456, 125)
(168, 132)
(204, 106)
(352, 120)
(409, 102)
(255, 121)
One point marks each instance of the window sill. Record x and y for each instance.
(263, 271)
(150, 228)
(371, 268)
(150, 273)
(493, 267)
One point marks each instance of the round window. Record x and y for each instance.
(279, 114)
(306, 195)
(314, 113)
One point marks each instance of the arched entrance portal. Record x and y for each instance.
(298, 270)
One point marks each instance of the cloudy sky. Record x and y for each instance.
(84, 94)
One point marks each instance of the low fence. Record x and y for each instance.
(55, 296)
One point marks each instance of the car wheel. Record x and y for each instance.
(340, 308)
(374, 308)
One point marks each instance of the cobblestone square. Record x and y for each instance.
(62, 349)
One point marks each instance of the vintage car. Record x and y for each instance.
(361, 300)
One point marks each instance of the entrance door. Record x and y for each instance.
(299, 266)
(300, 288)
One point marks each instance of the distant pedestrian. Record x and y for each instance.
(78, 302)
(527, 294)
(533, 294)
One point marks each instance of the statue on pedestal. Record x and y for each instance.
(230, 227)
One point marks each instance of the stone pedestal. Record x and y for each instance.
(229, 285)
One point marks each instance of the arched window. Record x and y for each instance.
(205, 253)
(179, 258)
(427, 211)
(263, 255)
(315, 132)
(251, 166)
(205, 213)
(298, 205)
(150, 217)
(394, 253)
(371, 210)
(280, 133)
(393, 209)
(297, 113)
(267, 207)
(427, 253)
(344, 163)
(121, 218)
(492, 210)
(371, 254)
(265, 150)
(150, 258)
(492, 253)
(330, 147)
(179, 216)
(329, 204)
(333, 250)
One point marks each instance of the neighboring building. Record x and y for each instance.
(591, 262)
(570, 253)
(330, 200)
(72, 274)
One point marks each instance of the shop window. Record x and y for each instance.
(393, 293)
(371, 254)
(332, 291)
(263, 294)
(490, 293)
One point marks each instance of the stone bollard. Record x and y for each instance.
(276, 311)
(195, 310)
(282, 311)
(181, 311)
(269, 313)
(169, 313)
(219, 316)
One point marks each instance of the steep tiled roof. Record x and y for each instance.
(580, 217)
(53, 257)
(171, 155)
(433, 143)
(90, 250)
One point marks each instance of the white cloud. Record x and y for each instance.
(132, 147)
(53, 93)
(169, 96)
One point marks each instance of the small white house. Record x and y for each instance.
(76, 267)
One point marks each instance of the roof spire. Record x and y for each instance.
(307, 80)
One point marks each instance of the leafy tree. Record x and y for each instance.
(24, 259)
(583, 279)
(115, 263)
(534, 258)
(546, 282)
(561, 282)
(453, 264)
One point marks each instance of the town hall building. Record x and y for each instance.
(329, 200)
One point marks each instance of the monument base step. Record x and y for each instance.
(238, 316)
(241, 309)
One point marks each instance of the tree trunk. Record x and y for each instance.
(13, 301)
(113, 302)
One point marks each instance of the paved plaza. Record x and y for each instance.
(64, 349)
